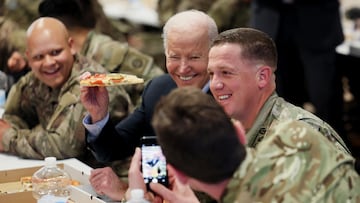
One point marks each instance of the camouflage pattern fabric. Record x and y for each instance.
(48, 122)
(23, 12)
(226, 13)
(276, 111)
(294, 163)
(12, 38)
(106, 25)
(16, 16)
(119, 57)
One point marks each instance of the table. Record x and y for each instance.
(8, 162)
(83, 193)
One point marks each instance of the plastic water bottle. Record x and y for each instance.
(2, 98)
(50, 180)
(137, 196)
(4, 81)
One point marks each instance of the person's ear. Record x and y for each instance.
(263, 75)
(240, 131)
(27, 54)
(71, 45)
(178, 174)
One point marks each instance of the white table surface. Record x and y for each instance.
(8, 162)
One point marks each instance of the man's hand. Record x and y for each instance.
(106, 182)
(136, 180)
(16, 62)
(95, 100)
(4, 126)
(178, 192)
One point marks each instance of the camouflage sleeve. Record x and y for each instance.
(165, 9)
(119, 57)
(61, 135)
(139, 64)
(229, 13)
(295, 163)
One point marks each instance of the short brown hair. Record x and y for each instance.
(256, 45)
(196, 135)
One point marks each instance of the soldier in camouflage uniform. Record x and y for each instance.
(248, 94)
(43, 114)
(113, 55)
(294, 163)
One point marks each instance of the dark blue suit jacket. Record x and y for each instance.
(118, 141)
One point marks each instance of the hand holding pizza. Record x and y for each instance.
(95, 99)
(94, 95)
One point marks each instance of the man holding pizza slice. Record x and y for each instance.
(117, 57)
(186, 51)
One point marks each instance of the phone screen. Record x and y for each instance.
(153, 162)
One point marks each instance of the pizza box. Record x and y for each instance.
(11, 189)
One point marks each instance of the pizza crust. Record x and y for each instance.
(110, 79)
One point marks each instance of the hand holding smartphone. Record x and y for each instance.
(153, 162)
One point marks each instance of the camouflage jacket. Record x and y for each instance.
(48, 122)
(294, 163)
(276, 110)
(116, 56)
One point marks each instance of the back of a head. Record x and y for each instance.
(256, 45)
(188, 22)
(73, 13)
(196, 135)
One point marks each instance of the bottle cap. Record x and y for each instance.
(50, 161)
(2, 97)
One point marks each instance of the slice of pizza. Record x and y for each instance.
(109, 79)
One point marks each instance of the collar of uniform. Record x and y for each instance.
(258, 129)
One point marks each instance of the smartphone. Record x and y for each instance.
(153, 162)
